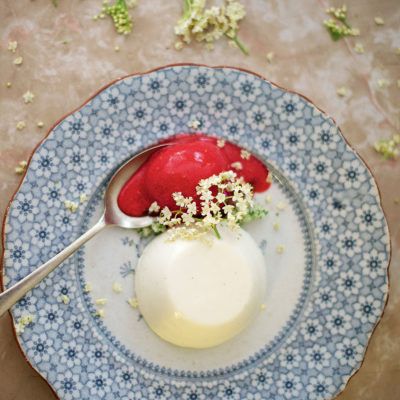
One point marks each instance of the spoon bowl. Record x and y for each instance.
(112, 216)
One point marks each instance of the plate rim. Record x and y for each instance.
(240, 69)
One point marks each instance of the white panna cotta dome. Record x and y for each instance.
(195, 295)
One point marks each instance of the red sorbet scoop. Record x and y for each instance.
(180, 167)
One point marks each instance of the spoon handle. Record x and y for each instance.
(10, 296)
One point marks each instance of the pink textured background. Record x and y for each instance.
(63, 76)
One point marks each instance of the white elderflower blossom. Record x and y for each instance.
(245, 154)
(28, 96)
(210, 24)
(117, 287)
(191, 208)
(225, 198)
(165, 215)
(194, 124)
(220, 143)
(23, 322)
(237, 165)
(154, 207)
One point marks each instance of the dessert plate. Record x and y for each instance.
(326, 264)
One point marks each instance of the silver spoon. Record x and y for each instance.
(112, 216)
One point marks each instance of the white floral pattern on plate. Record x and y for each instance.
(343, 291)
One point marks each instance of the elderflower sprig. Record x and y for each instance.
(210, 24)
(342, 29)
(224, 198)
(119, 14)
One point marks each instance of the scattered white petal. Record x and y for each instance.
(194, 124)
(23, 322)
(270, 56)
(65, 299)
(12, 46)
(382, 83)
(20, 125)
(359, 48)
(99, 313)
(117, 287)
(87, 288)
(281, 206)
(18, 60)
(154, 208)
(220, 143)
(280, 249)
(28, 96)
(379, 20)
(71, 205)
(245, 154)
(237, 165)
(22, 167)
(19, 328)
(178, 46)
(133, 302)
(342, 91)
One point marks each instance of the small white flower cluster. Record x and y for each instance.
(339, 13)
(23, 322)
(388, 148)
(194, 124)
(211, 23)
(71, 205)
(224, 198)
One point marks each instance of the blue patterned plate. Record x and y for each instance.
(327, 289)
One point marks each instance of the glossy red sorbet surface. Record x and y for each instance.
(180, 167)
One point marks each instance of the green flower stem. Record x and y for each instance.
(237, 41)
(187, 8)
(216, 232)
(346, 24)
